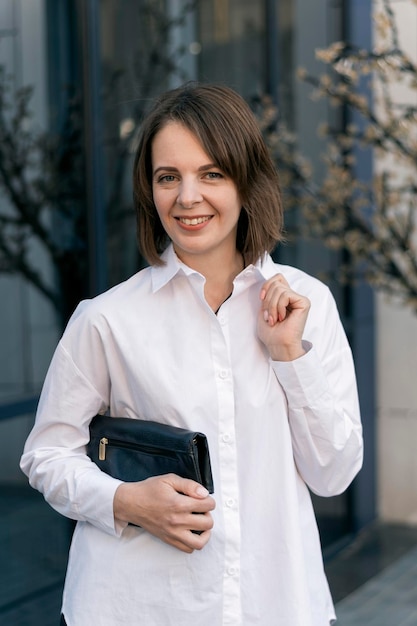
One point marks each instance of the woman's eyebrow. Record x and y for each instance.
(165, 168)
(209, 166)
(170, 168)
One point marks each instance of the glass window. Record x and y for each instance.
(33, 538)
(232, 38)
(146, 46)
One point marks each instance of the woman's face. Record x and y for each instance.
(197, 203)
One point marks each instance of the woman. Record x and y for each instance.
(216, 337)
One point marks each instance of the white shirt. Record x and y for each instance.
(152, 347)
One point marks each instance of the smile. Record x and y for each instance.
(194, 221)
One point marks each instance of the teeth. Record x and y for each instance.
(194, 221)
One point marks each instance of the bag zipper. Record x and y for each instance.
(104, 442)
(102, 448)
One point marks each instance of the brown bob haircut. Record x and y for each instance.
(230, 135)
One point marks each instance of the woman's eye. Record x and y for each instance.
(214, 175)
(167, 178)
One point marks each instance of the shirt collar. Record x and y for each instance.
(264, 268)
(163, 274)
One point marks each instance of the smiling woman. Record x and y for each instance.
(216, 338)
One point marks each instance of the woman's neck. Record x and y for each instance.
(219, 274)
(219, 285)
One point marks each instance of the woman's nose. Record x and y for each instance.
(189, 194)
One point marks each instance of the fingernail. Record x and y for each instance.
(202, 491)
(266, 316)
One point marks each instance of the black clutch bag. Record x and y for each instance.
(133, 449)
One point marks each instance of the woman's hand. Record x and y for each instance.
(166, 506)
(282, 319)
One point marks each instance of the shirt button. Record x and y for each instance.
(226, 437)
(222, 320)
(223, 374)
(230, 502)
(232, 571)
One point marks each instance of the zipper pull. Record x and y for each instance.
(102, 448)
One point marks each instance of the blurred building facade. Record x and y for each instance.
(396, 342)
(115, 56)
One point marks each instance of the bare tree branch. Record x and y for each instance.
(374, 221)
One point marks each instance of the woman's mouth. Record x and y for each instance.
(194, 221)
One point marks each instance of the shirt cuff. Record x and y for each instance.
(99, 509)
(303, 380)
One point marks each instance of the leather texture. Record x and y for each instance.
(135, 449)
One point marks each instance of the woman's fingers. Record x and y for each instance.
(174, 509)
(284, 314)
(278, 300)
